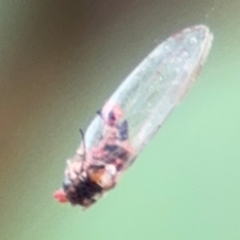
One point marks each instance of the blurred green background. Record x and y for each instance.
(60, 60)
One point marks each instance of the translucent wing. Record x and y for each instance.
(154, 88)
(146, 98)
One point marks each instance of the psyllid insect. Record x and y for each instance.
(132, 115)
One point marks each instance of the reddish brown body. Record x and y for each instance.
(91, 173)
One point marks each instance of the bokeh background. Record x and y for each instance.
(59, 62)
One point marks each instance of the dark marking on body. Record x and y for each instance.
(81, 191)
(123, 131)
(115, 151)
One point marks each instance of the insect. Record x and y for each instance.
(132, 115)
